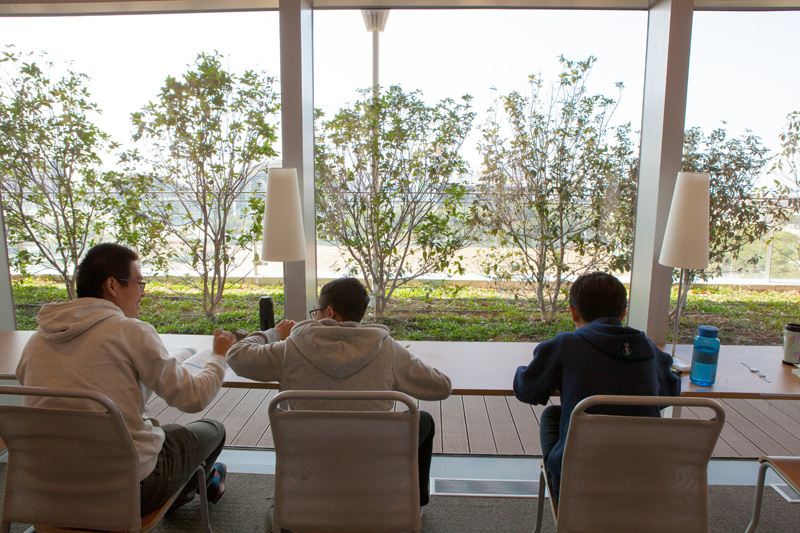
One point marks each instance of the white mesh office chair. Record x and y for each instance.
(74, 469)
(634, 473)
(345, 470)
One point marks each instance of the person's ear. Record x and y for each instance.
(624, 314)
(576, 316)
(110, 286)
(334, 315)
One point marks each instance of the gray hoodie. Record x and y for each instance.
(89, 344)
(330, 355)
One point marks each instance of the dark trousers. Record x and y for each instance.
(184, 449)
(427, 430)
(549, 427)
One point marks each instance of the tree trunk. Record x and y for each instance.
(380, 305)
(71, 291)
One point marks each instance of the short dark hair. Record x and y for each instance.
(598, 295)
(106, 260)
(346, 296)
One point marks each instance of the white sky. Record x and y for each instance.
(743, 65)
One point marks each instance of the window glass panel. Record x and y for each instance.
(743, 85)
(450, 53)
(128, 57)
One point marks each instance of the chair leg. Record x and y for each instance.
(540, 502)
(762, 474)
(201, 484)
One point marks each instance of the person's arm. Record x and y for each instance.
(417, 379)
(259, 356)
(168, 378)
(668, 383)
(536, 382)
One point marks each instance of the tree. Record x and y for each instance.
(204, 139)
(553, 184)
(788, 161)
(741, 212)
(58, 200)
(387, 187)
(787, 167)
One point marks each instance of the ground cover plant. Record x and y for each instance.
(440, 311)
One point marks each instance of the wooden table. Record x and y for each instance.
(483, 368)
(487, 368)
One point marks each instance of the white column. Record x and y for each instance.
(297, 134)
(7, 319)
(664, 109)
(376, 60)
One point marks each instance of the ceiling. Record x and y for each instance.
(87, 7)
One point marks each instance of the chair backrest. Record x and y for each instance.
(66, 467)
(345, 470)
(632, 473)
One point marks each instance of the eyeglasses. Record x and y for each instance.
(311, 313)
(141, 284)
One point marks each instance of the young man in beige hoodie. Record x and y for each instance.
(97, 343)
(334, 351)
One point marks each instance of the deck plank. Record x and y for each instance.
(479, 430)
(504, 432)
(759, 439)
(527, 426)
(498, 425)
(173, 415)
(266, 440)
(790, 408)
(435, 410)
(220, 408)
(256, 426)
(454, 426)
(775, 423)
(244, 410)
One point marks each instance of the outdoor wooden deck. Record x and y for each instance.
(501, 425)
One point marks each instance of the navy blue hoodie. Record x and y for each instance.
(602, 357)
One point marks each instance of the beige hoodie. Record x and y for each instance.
(89, 344)
(330, 355)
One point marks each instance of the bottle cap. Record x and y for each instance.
(708, 331)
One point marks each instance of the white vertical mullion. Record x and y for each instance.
(7, 319)
(669, 31)
(297, 136)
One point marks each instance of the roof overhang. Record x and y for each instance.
(101, 7)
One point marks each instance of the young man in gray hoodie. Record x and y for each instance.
(96, 342)
(334, 351)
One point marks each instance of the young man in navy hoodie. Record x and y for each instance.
(600, 357)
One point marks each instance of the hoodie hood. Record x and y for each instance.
(338, 349)
(609, 336)
(62, 322)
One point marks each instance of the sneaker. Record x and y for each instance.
(216, 487)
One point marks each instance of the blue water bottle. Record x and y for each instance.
(704, 356)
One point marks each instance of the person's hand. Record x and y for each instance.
(223, 340)
(284, 328)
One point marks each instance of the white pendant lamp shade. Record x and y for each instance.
(284, 239)
(375, 19)
(686, 237)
